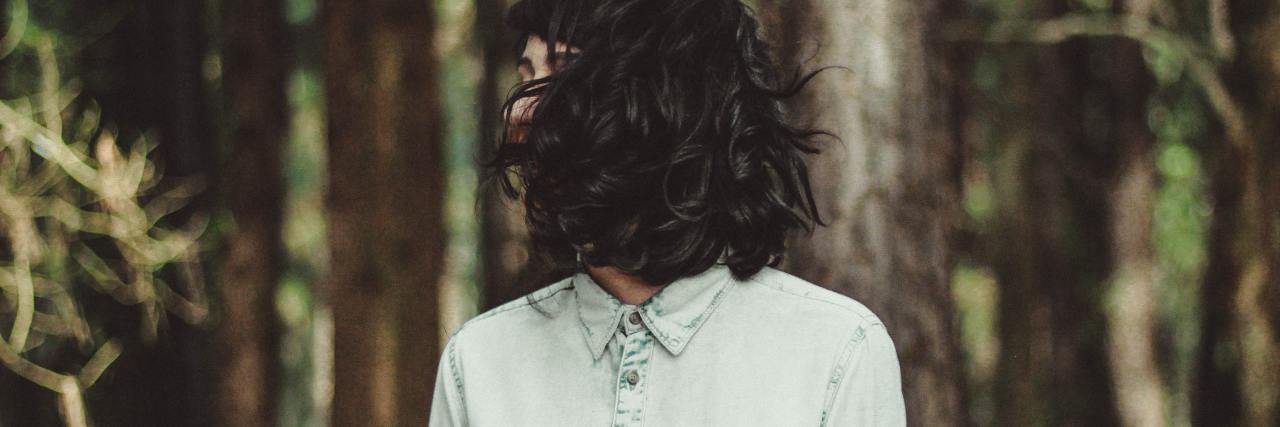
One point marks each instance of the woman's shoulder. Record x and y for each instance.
(522, 313)
(791, 293)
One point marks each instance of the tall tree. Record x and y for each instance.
(1051, 143)
(1241, 333)
(1218, 394)
(386, 187)
(1136, 378)
(890, 190)
(248, 334)
(1254, 78)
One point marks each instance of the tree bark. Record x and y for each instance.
(1217, 394)
(386, 188)
(1051, 150)
(1052, 249)
(890, 190)
(1241, 332)
(248, 333)
(1140, 391)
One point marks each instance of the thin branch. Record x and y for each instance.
(17, 27)
(1048, 31)
(1224, 44)
(50, 86)
(23, 247)
(50, 146)
(98, 363)
(26, 302)
(71, 401)
(1202, 62)
(1232, 116)
(37, 374)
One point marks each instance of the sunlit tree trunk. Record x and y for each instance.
(1240, 337)
(1254, 78)
(248, 335)
(890, 190)
(1131, 313)
(386, 208)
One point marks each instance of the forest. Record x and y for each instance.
(269, 212)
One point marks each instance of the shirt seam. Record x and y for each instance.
(524, 302)
(457, 376)
(869, 318)
(839, 370)
(451, 347)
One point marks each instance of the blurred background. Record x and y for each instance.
(267, 212)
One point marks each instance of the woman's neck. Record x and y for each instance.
(626, 288)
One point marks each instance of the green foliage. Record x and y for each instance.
(1180, 224)
(1096, 5)
(979, 203)
(300, 12)
(1165, 60)
(305, 336)
(1181, 214)
(976, 295)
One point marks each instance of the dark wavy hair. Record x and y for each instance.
(662, 144)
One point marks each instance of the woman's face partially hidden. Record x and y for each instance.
(533, 65)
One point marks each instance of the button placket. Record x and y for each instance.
(637, 349)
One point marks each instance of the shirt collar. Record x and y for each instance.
(673, 315)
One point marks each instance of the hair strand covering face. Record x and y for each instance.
(661, 144)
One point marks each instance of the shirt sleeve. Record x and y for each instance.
(867, 383)
(448, 408)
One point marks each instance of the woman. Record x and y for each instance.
(651, 152)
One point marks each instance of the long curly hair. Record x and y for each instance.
(662, 144)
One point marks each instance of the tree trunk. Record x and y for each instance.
(1217, 394)
(248, 334)
(890, 189)
(1051, 142)
(1053, 264)
(1241, 332)
(1140, 392)
(386, 189)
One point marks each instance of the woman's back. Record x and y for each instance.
(707, 350)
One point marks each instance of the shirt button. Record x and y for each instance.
(634, 318)
(633, 377)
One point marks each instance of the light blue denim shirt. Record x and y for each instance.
(706, 350)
